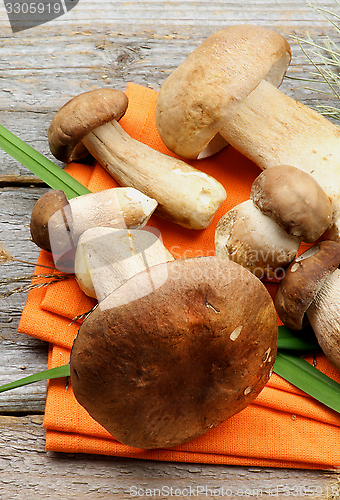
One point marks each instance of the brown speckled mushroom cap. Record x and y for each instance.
(79, 116)
(161, 368)
(40, 225)
(201, 95)
(303, 279)
(294, 200)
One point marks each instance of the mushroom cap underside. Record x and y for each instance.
(161, 369)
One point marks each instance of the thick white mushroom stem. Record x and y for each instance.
(116, 207)
(273, 129)
(254, 240)
(107, 257)
(184, 194)
(324, 317)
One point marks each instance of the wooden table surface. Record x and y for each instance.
(107, 43)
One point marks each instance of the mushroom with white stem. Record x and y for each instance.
(184, 194)
(228, 86)
(252, 239)
(286, 206)
(310, 292)
(294, 200)
(161, 369)
(57, 223)
(106, 257)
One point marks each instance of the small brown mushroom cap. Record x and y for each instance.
(294, 200)
(80, 116)
(40, 224)
(161, 368)
(303, 279)
(201, 95)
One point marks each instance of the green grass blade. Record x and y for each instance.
(303, 340)
(41, 166)
(309, 379)
(292, 368)
(59, 371)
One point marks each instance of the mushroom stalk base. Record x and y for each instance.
(185, 195)
(273, 129)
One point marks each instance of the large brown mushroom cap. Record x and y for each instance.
(294, 200)
(161, 369)
(79, 116)
(303, 279)
(201, 95)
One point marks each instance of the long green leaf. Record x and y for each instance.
(309, 379)
(292, 368)
(303, 340)
(58, 372)
(41, 166)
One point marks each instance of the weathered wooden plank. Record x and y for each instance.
(28, 472)
(42, 68)
(108, 43)
(19, 355)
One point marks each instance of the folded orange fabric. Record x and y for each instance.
(282, 428)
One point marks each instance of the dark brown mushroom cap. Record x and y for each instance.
(79, 116)
(294, 200)
(159, 369)
(47, 205)
(303, 279)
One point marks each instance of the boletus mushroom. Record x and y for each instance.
(286, 206)
(294, 200)
(57, 223)
(309, 292)
(252, 239)
(175, 351)
(228, 87)
(185, 195)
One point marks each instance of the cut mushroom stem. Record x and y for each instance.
(106, 257)
(228, 86)
(309, 292)
(57, 223)
(184, 194)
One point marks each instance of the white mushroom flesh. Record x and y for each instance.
(122, 207)
(185, 195)
(106, 257)
(252, 239)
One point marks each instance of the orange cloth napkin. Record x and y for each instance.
(283, 427)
